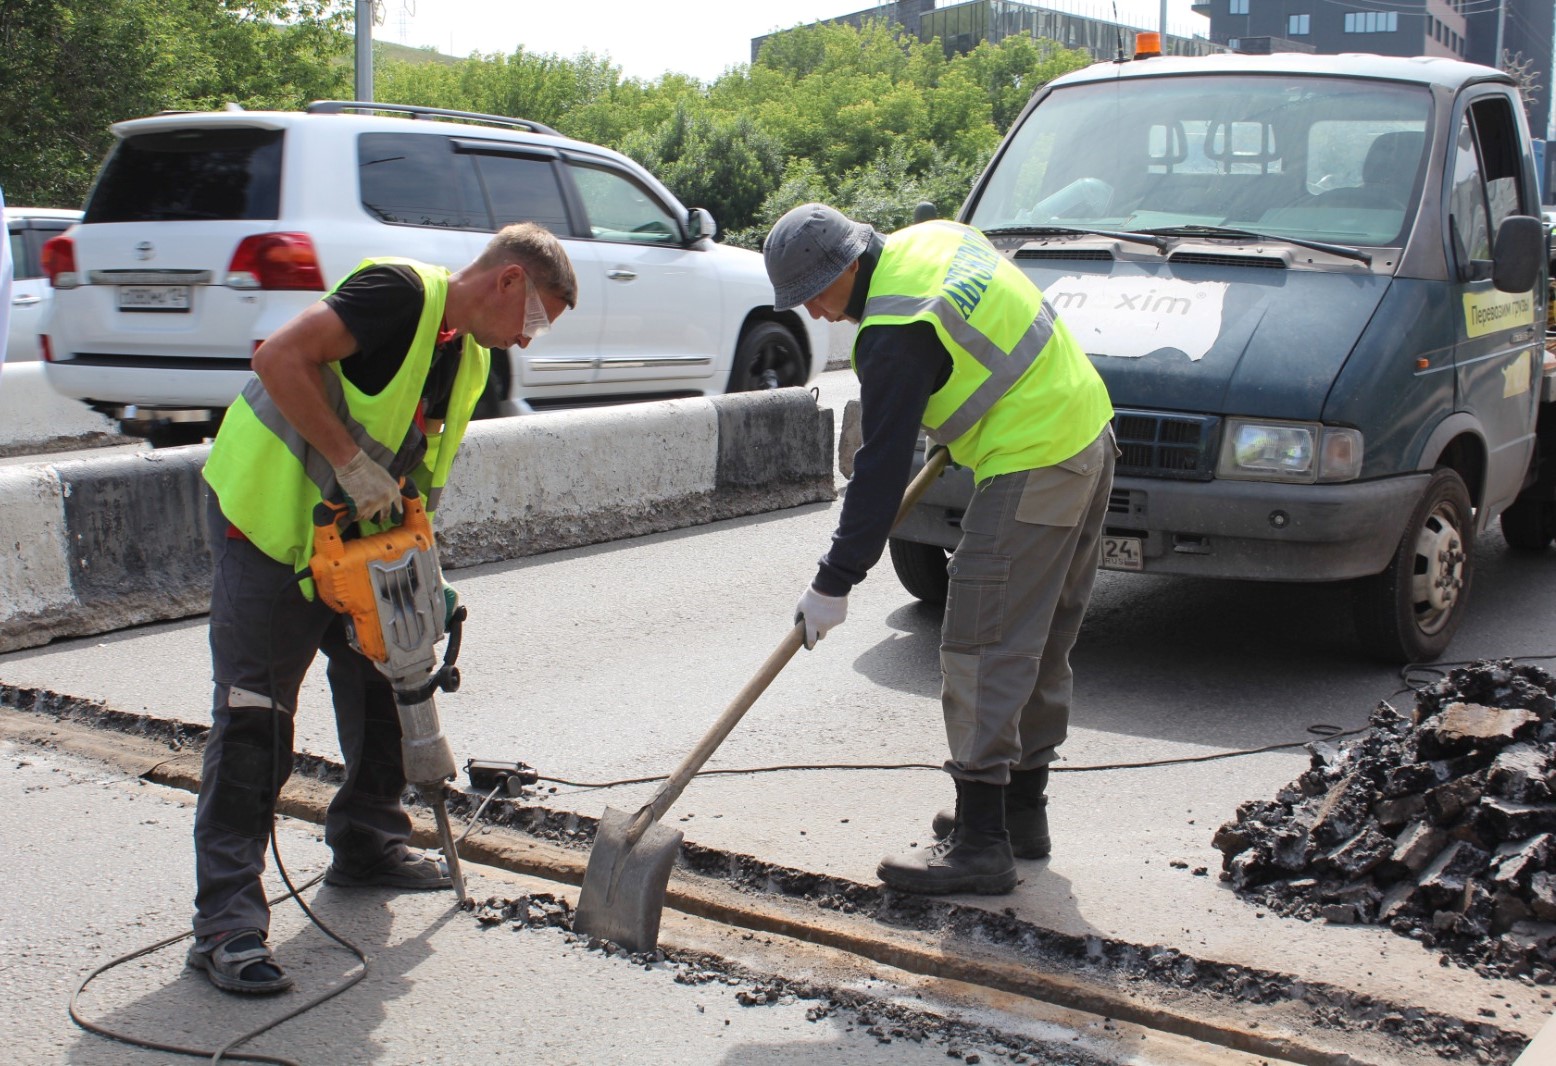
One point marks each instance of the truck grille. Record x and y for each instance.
(1170, 446)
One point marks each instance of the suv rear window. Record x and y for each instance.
(190, 174)
(420, 179)
(412, 180)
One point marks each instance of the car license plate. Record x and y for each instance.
(154, 297)
(1122, 553)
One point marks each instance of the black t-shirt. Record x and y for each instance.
(381, 307)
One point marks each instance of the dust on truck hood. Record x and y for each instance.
(1269, 343)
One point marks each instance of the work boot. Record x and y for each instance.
(1026, 815)
(974, 857)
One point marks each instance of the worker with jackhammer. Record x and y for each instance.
(953, 337)
(374, 383)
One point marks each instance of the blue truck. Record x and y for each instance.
(1317, 288)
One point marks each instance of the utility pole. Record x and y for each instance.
(1165, 50)
(364, 38)
(1501, 22)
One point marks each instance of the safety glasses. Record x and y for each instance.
(536, 322)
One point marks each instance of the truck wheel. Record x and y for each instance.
(768, 357)
(1410, 612)
(920, 568)
(1529, 525)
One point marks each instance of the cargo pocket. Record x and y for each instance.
(975, 601)
(1059, 495)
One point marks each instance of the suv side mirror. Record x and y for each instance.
(1517, 254)
(699, 225)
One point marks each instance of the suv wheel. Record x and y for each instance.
(178, 434)
(920, 568)
(768, 357)
(1410, 612)
(499, 386)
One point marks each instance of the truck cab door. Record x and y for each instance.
(1497, 357)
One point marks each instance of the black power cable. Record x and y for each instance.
(1437, 671)
(292, 892)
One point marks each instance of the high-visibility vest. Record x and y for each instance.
(268, 478)
(1022, 394)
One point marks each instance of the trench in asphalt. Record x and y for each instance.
(1258, 1012)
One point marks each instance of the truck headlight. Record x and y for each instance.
(1302, 452)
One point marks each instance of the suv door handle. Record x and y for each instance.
(621, 274)
(25, 301)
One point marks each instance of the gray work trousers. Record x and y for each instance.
(264, 635)
(1021, 578)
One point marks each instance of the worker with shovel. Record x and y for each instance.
(953, 337)
(375, 382)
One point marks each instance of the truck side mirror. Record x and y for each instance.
(1517, 254)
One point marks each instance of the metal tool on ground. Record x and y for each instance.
(389, 586)
(623, 893)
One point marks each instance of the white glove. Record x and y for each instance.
(820, 613)
(372, 492)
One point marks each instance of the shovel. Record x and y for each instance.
(623, 894)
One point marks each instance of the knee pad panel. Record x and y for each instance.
(255, 761)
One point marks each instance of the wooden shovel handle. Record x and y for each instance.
(792, 642)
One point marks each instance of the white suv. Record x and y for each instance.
(204, 232)
(28, 228)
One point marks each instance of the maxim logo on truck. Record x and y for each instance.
(1129, 317)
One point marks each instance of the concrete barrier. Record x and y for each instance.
(92, 545)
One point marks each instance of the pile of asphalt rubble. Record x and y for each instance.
(886, 1022)
(1441, 826)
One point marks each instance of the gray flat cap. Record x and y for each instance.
(808, 249)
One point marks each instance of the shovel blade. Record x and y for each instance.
(623, 894)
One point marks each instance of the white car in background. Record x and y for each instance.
(28, 228)
(204, 232)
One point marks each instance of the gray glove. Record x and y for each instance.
(820, 613)
(373, 494)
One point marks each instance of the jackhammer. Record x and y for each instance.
(389, 586)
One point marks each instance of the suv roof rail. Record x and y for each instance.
(336, 107)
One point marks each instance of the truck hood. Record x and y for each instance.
(1212, 338)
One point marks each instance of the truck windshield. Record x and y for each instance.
(1308, 157)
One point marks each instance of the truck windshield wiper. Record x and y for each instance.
(1249, 235)
(1137, 237)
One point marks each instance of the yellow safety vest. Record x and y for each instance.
(1022, 393)
(268, 478)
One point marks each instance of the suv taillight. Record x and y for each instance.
(59, 262)
(275, 261)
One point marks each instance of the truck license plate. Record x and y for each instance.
(154, 298)
(1122, 553)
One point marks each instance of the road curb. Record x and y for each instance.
(97, 544)
(1284, 1029)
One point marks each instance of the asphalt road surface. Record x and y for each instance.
(608, 662)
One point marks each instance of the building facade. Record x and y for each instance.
(961, 27)
(1458, 29)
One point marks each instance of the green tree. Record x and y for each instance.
(722, 162)
(69, 68)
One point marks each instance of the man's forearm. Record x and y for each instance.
(299, 394)
(292, 363)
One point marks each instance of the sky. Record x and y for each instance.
(647, 38)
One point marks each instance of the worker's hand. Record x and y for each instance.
(372, 493)
(820, 613)
(450, 605)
